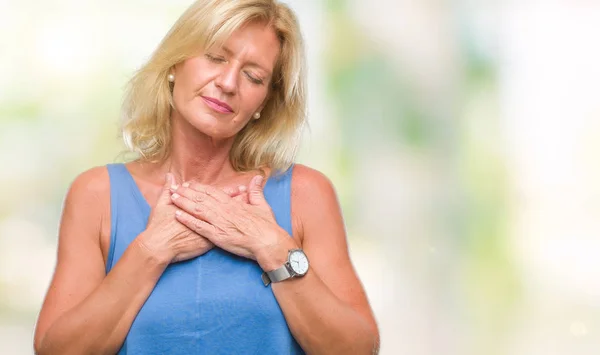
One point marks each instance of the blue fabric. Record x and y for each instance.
(212, 304)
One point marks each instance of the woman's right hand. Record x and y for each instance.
(167, 239)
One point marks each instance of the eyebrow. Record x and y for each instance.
(230, 52)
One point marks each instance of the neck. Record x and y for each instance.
(196, 156)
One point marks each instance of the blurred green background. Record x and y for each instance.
(462, 137)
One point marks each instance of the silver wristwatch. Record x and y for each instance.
(295, 266)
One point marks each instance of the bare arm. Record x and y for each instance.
(327, 309)
(85, 311)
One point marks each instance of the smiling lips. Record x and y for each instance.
(217, 105)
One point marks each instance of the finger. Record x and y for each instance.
(198, 226)
(204, 210)
(235, 190)
(242, 197)
(201, 190)
(231, 191)
(255, 191)
(165, 195)
(191, 194)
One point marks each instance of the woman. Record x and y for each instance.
(202, 244)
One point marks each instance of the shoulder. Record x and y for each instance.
(91, 183)
(88, 195)
(309, 183)
(86, 208)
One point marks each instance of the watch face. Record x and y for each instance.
(299, 262)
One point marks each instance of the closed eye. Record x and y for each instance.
(215, 59)
(254, 79)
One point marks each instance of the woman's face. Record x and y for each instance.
(219, 91)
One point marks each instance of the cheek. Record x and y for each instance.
(180, 91)
(254, 99)
(240, 121)
(184, 97)
(190, 79)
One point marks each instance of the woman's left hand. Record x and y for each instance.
(245, 229)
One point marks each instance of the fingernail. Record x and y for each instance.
(174, 187)
(178, 213)
(174, 196)
(242, 188)
(186, 184)
(259, 179)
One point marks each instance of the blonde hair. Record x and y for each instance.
(271, 141)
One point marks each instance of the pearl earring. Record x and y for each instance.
(257, 115)
(171, 78)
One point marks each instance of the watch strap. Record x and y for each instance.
(277, 275)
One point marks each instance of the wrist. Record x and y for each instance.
(273, 256)
(149, 254)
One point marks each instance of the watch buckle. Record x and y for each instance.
(265, 279)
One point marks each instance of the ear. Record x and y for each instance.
(175, 67)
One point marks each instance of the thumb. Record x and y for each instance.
(165, 194)
(255, 191)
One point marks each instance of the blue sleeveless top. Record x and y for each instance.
(213, 304)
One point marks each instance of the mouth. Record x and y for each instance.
(217, 105)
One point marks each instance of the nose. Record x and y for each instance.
(227, 79)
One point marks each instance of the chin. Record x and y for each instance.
(212, 128)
